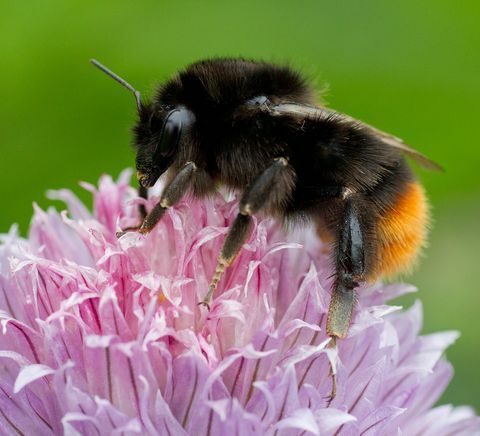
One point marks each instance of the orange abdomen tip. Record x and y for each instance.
(401, 233)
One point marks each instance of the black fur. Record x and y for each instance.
(223, 139)
(340, 173)
(233, 142)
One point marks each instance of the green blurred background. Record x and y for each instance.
(411, 68)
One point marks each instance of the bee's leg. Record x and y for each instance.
(142, 211)
(350, 269)
(269, 190)
(170, 196)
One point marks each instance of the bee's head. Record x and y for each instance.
(157, 138)
(157, 133)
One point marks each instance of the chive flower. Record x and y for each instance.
(104, 336)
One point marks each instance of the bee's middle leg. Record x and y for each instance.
(270, 190)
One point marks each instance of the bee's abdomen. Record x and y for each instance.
(401, 232)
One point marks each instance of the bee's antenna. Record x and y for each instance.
(122, 82)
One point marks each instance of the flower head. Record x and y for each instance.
(104, 336)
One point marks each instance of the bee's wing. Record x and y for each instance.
(386, 138)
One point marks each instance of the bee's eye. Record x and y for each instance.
(259, 100)
(176, 121)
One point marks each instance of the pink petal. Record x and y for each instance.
(29, 374)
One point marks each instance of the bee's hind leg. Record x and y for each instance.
(350, 269)
(270, 190)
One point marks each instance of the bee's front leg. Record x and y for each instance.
(142, 211)
(174, 191)
(270, 190)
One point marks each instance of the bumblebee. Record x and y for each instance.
(255, 128)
